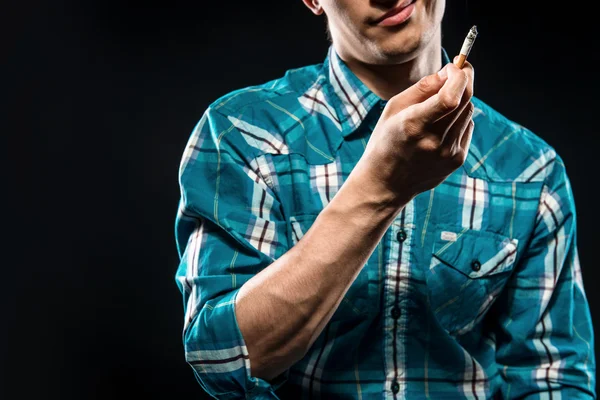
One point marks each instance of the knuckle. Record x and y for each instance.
(446, 152)
(449, 101)
(392, 101)
(429, 145)
(424, 84)
(470, 109)
(409, 127)
(408, 122)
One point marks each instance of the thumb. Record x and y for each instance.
(417, 93)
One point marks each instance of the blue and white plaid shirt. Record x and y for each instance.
(475, 290)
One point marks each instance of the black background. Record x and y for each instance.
(99, 99)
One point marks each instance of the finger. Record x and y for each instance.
(451, 118)
(417, 93)
(465, 139)
(451, 139)
(460, 152)
(447, 99)
(468, 93)
(470, 72)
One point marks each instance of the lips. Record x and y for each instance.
(396, 15)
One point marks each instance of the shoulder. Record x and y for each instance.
(504, 150)
(269, 118)
(279, 91)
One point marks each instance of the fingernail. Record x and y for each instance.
(455, 59)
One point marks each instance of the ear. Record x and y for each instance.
(314, 6)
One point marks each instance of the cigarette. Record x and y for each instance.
(466, 47)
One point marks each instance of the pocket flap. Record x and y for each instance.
(475, 253)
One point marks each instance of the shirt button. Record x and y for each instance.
(396, 312)
(401, 235)
(475, 265)
(395, 387)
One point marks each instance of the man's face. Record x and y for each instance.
(359, 27)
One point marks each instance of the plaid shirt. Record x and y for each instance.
(474, 291)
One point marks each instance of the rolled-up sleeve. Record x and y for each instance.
(545, 341)
(229, 226)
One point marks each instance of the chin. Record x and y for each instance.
(397, 50)
(402, 45)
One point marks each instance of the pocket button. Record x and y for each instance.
(401, 235)
(476, 265)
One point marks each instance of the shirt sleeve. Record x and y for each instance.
(229, 226)
(544, 337)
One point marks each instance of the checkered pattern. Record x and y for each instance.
(474, 202)
(314, 102)
(475, 290)
(326, 180)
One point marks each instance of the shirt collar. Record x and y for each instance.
(353, 99)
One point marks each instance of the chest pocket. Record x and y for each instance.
(363, 297)
(468, 270)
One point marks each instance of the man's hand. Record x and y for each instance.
(422, 136)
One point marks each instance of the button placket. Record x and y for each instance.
(401, 229)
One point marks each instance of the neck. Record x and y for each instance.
(388, 80)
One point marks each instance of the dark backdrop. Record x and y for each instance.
(99, 98)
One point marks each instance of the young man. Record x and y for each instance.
(365, 228)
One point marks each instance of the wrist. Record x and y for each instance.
(366, 203)
(378, 192)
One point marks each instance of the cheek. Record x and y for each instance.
(352, 25)
(435, 9)
(430, 15)
(346, 11)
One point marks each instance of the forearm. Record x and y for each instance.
(284, 308)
